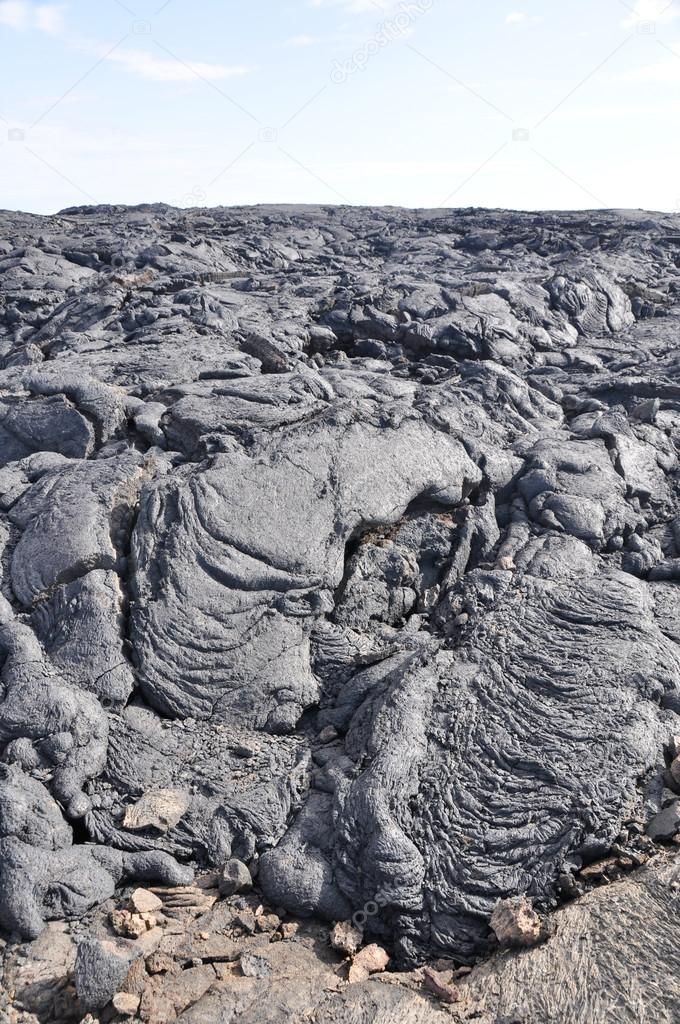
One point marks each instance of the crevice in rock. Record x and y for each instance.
(81, 833)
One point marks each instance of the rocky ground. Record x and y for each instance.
(188, 954)
(339, 583)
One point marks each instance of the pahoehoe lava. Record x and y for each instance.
(353, 536)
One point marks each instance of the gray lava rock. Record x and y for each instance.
(101, 967)
(255, 966)
(666, 824)
(234, 877)
(341, 542)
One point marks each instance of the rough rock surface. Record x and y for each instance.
(611, 958)
(343, 543)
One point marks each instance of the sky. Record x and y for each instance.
(418, 103)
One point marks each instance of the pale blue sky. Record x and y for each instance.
(406, 102)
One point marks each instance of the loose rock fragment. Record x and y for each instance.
(101, 966)
(160, 963)
(143, 901)
(666, 824)
(161, 809)
(436, 983)
(346, 937)
(125, 1004)
(254, 965)
(127, 924)
(516, 923)
(268, 922)
(372, 959)
(234, 877)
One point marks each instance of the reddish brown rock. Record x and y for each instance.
(438, 984)
(370, 960)
(516, 923)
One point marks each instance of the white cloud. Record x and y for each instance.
(19, 14)
(14, 13)
(609, 111)
(522, 18)
(665, 70)
(22, 15)
(147, 65)
(374, 7)
(48, 18)
(301, 41)
(642, 11)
